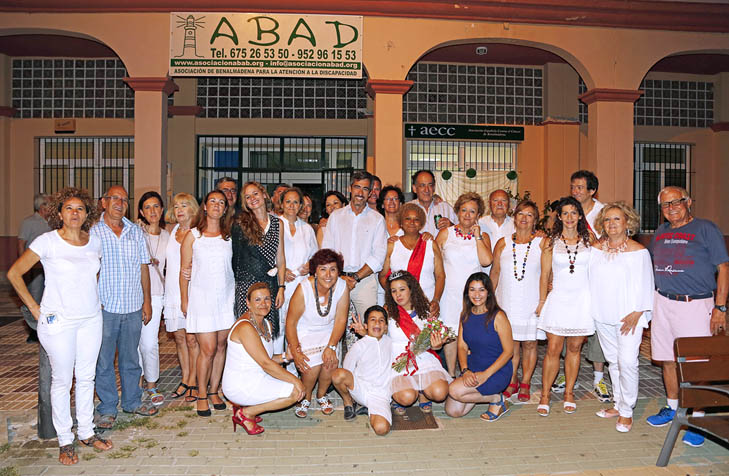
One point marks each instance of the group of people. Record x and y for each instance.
(269, 308)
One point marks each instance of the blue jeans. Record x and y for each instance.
(121, 331)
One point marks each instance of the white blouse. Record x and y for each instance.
(298, 248)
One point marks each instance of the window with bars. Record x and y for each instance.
(56, 87)
(658, 166)
(288, 98)
(450, 162)
(473, 94)
(91, 163)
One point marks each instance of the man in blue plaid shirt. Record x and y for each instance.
(124, 290)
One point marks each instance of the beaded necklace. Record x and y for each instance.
(526, 255)
(460, 234)
(316, 299)
(264, 334)
(571, 258)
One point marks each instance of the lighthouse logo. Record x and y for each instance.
(190, 25)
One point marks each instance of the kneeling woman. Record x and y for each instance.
(485, 349)
(253, 378)
(408, 309)
(315, 324)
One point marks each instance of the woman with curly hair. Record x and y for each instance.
(465, 249)
(258, 250)
(566, 313)
(621, 287)
(69, 314)
(409, 309)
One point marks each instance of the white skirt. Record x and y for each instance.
(174, 319)
(255, 389)
(429, 371)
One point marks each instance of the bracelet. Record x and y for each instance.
(281, 286)
(480, 238)
(332, 347)
(464, 370)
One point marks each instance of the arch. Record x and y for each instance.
(724, 52)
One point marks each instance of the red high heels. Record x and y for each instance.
(236, 409)
(239, 419)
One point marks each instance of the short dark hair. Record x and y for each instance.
(590, 179)
(326, 256)
(375, 178)
(429, 172)
(358, 175)
(372, 309)
(339, 196)
(383, 194)
(144, 198)
(226, 179)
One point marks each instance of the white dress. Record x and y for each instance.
(429, 367)
(174, 319)
(567, 311)
(298, 249)
(519, 299)
(380, 289)
(399, 261)
(244, 381)
(212, 285)
(460, 260)
(313, 330)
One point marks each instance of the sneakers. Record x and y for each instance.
(601, 392)
(559, 384)
(662, 418)
(693, 439)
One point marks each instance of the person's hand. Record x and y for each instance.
(351, 282)
(434, 308)
(426, 236)
(35, 311)
(629, 323)
(304, 269)
(329, 359)
(186, 272)
(393, 239)
(436, 342)
(146, 312)
(538, 312)
(301, 360)
(288, 355)
(322, 222)
(280, 298)
(290, 275)
(443, 222)
(183, 307)
(437, 199)
(469, 379)
(357, 326)
(718, 322)
(299, 390)
(476, 230)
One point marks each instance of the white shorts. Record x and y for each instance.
(377, 402)
(256, 390)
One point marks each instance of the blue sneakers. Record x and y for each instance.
(662, 418)
(693, 439)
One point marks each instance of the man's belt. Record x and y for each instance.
(684, 297)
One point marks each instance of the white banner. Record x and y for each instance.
(257, 44)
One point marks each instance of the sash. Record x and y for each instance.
(412, 331)
(415, 264)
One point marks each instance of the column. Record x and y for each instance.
(181, 138)
(610, 141)
(150, 132)
(388, 131)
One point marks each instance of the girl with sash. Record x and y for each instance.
(424, 378)
(418, 254)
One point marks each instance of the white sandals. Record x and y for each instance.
(302, 409)
(325, 405)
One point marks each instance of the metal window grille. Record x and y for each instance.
(71, 87)
(490, 160)
(657, 166)
(294, 98)
(581, 89)
(473, 94)
(315, 164)
(91, 163)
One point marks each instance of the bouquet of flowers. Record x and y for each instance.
(421, 343)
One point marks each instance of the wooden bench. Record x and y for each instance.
(702, 364)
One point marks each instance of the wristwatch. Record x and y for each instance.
(355, 276)
(721, 308)
(333, 347)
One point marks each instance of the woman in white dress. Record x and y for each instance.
(253, 379)
(389, 203)
(621, 287)
(466, 249)
(299, 246)
(314, 326)
(517, 292)
(208, 305)
(566, 313)
(182, 212)
(150, 211)
(418, 254)
(409, 310)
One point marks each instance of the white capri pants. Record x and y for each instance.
(149, 342)
(621, 353)
(73, 347)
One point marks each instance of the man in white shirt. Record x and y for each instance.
(497, 223)
(424, 189)
(360, 235)
(583, 187)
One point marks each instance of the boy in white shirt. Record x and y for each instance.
(366, 372)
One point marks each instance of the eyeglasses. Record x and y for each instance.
(228, 190)
(116, 198)
(674, 203)
(391, 199)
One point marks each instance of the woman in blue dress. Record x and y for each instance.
(485, 349)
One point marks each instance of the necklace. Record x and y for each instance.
(316, 299)
(571, 258)
(460, 234)
(526, 255)
(613, 252)
(147, 238)
(264, 334)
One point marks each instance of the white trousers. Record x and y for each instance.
(364, 294)
(149, 342)
(621, 353)
(73, 347)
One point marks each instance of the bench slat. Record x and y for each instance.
(711, 369)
